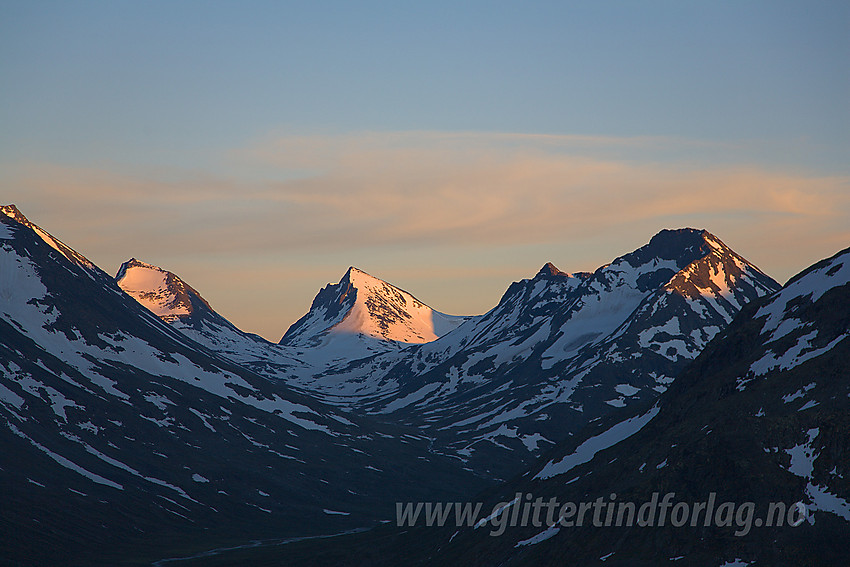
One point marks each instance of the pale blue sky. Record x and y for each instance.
(291, 139)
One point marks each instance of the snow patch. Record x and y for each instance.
(587, 450)
(803, 456)
(542, 536)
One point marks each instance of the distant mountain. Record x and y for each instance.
(370, 308)
(760, 420)
(562, 349)
(122, 437)
(161, 292)
(174, 301)
(356, 319)
(558, 350)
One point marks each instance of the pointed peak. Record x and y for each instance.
(14, 213)
(351, 271)
(363, 305)
(355, 277)
(549, 269)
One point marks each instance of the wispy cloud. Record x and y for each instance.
(294, 212)
(426, 188)
(299, 198)
(493, 189)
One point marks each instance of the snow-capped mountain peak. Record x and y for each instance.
(14, 213)
(361, 304)
(162, 292)
(653, 264)
(174, 301)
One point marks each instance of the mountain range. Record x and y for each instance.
(119, 429)
(494, 390)
(748, 447)
(140, 424)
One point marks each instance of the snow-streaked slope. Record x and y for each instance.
(358, 318)
(558, 350)
(791, 337)
(176, 302)
(522, 312)
(110, 418)
(768, 441)
(13, 213)
(562, 349)
(357, 380)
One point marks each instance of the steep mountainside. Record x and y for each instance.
(560, 350)
(557, 351)
(750, 442)
(121, 437)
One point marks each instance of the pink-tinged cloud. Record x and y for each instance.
(368, 196)
(426, 189)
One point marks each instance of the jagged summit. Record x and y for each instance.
(353, 279)
(667, 252)
(549, 270)
(355, 274)
(363, 305)
(670, 249)
(686, 260)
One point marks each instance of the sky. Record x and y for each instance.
(257, 149)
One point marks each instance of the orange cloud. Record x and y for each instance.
(424, 188)
(338, 196)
